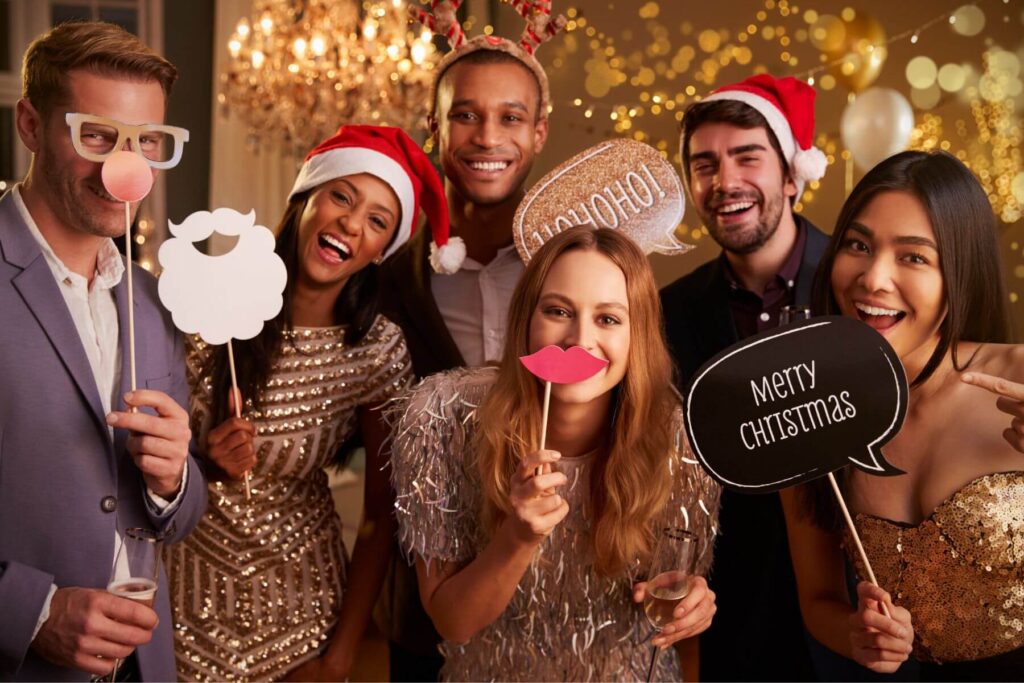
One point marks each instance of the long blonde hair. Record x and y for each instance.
(630, 483)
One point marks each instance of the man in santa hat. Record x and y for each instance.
(489, 109)
(747, 151)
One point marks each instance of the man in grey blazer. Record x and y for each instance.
(79, 466)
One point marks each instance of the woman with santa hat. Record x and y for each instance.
(262, 589)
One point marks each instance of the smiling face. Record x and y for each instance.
(71, 186)
(347, 223)
(887, 273)
(738, 186)
(583, 302)
(488, 129)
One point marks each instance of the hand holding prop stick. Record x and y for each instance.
(553, 365)
(249, 281)
(798, 402)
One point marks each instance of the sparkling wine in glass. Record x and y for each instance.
(664, 592)
(138, 589)
(135, 573)
(671, 569)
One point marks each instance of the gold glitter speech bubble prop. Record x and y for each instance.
(624, 185)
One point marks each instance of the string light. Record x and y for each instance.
(687, 61)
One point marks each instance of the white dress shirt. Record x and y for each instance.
(474, 304)
(94, 311)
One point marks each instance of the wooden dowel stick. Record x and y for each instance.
(236, 396)
(544, 422)
(131, 293)
(856, 537)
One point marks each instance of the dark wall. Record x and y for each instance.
(188, 44)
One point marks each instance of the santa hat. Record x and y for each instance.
(391, 155)
(788, 106)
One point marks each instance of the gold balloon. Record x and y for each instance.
(861, 49)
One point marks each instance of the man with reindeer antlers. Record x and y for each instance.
(488, 117)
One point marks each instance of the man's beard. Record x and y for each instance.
(78, 211)
(750, 239)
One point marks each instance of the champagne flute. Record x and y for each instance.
(670, 571)
(136, 573)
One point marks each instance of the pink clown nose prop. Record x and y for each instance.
(553, 365)
(127, 176)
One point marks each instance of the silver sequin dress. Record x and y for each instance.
(565, 621)
(256, 589)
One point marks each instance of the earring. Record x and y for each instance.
(379, 260)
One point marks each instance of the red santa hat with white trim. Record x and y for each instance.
(788, 106)
(389, 154)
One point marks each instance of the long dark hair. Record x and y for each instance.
(964, 225)
(972, 276)
(356, 307)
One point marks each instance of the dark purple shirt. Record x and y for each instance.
(753, 313)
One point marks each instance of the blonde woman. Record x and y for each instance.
(529, 561)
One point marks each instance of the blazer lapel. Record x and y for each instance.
(125, 380)
(717, 315)
(121, 299)
(41, 293)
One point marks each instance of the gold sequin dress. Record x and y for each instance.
(565, 621)
(960, 574)
(256, 589)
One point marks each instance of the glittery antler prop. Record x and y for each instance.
(540, 25)
(443, 20)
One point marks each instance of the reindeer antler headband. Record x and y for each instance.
(540, 28)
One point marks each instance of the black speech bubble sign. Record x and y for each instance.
(794, 403)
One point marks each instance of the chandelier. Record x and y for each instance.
(301, 68)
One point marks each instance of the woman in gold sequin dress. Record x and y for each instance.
(915, 256)
(262, 589)
(529, 560)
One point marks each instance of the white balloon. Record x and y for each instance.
(876, 125)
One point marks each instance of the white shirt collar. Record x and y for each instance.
(499, 256)
(109, 264)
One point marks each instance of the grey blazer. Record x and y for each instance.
(65, 486)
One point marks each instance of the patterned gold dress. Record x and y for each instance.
(960, 574)
(565, 621)
(256, 589)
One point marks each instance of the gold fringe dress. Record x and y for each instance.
(257, 588)
(565, 621)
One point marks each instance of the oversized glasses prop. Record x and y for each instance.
(96, 138)
(127, 175)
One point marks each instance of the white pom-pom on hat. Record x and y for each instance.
(809, 164)
(448, 257)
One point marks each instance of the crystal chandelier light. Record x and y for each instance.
(301, 68)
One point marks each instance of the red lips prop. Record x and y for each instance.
(552, 364)
(572, 365)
